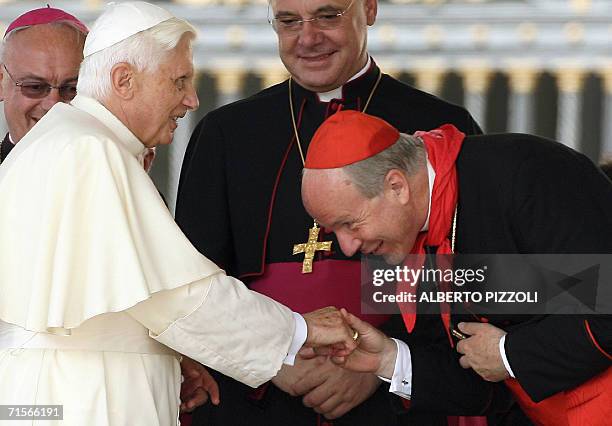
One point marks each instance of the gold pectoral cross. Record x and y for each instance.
(310, 247)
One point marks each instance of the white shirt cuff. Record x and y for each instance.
(299, 338)
(502, 351)
(401, 381)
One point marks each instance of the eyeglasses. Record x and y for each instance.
(38, 90)
(293, 24)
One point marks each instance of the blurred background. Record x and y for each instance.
(534, 66)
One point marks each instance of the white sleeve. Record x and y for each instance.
(222, 324)
(502, 351)
(401, 381)
(299, 338)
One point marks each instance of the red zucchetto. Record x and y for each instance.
(44, 15)
(348, 137)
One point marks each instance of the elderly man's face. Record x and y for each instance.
(41, 54)
(382, 226)
(324, 59)
(164, 96)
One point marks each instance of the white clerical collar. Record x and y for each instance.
(11, 139)
(99, 111)
(431, 174)
(337, 92)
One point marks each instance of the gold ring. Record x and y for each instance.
(355, 335)
(459, 335)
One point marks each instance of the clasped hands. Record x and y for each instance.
(372, 352)
(327, 329)
(329, 332)
(332, 390)
(376, 353)
(324, 386)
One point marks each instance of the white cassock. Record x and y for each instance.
(97, 283)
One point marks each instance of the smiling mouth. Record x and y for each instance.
(175, 119)
(316, 58)
(374, 251)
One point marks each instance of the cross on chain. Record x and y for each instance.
(310, 247)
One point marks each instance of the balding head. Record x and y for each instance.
(32, 58)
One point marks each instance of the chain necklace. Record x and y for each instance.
(310, 247)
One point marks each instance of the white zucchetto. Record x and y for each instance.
(120, 21)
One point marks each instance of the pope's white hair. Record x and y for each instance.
(145, 51)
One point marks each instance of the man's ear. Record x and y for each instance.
(123, 80)
(371, 9)
(396, 186)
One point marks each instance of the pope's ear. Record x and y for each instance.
(1, 83)
(371, 9)
(123, 80)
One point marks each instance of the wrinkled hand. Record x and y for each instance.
(198, 385)
(333, 391)
(376, 352)
(327, 327)
(481, 350)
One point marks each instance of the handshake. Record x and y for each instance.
(349, 342)
(337, 334)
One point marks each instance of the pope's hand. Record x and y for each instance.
(376, 352)
(197, 387)
(328, 328)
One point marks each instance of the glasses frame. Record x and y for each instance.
(49, 87)
(300, 22)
